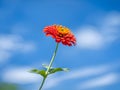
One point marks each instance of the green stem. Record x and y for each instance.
(52, 59)
(50, 64)
(43, 81)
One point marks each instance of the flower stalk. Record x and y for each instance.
(49, 67)
(43, 81)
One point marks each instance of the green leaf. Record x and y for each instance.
(54, 70)
(33, 71)
(41, 72)
(45, 66)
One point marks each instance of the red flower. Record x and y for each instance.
(60, 34)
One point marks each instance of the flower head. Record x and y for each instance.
(60, 34)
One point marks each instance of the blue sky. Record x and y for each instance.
(94, 62)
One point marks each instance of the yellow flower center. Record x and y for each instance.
(62, 30)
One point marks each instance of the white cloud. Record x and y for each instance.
(13, 43)
(75, 74)
(107, 79)
(20, 75)
(91, 37)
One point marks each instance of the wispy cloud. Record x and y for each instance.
(91, 37)
(13, 43)
(20, 75)
(79, 73)
(107, 79)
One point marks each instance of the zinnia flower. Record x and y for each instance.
(60, 34)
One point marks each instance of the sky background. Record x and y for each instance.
(94, 62)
